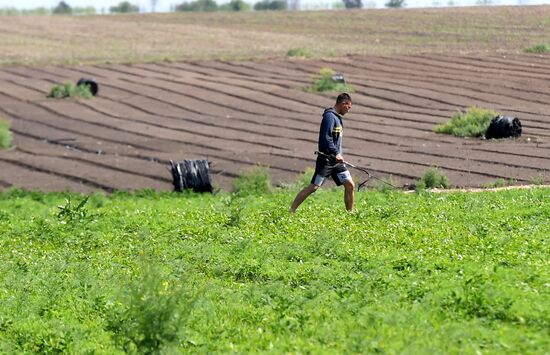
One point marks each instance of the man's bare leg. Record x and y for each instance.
(349, 194)
(302, 195)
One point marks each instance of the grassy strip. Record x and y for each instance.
(5, 134)
(453, 273)
(473, 123)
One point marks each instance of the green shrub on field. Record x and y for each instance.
(538, 180)
(433, 178)
(5, 134)
(174, 274)
(502, 183)
(274, 5)
(255, 181)
(299, 53)
(123, 8)
(70, 90)
(539, 48)
(473, 123)
(197, 6)
(150, 316)
(325, 82)
(235, 5)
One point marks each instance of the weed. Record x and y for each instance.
(70, 214)
(538, 180)
(326, 82)
(433, 178)
(299, 52)
(148, 318)
(255, 181)
(473, 123)
(70, 90)
(539, 48)
(5, 134)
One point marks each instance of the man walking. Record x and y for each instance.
(330, 162)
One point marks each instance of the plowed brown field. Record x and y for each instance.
(241, 114)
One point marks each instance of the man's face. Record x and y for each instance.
(343, 107)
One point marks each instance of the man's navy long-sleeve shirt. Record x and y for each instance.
(330, 134)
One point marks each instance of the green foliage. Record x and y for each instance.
(539, 48)
(299, 52)
(395, 3)
(255, 181)
(473, 123)
(70, 90)
(62, 9)
(197, 6)
(5, 134)
(502, 183)
(235, 5)
(353, 4)
(274, 5)
(538, 180)
(152, 313)
(433, 179)
(124, 7)
(325, 82)
(172, 273)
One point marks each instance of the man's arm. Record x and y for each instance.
(327, 124)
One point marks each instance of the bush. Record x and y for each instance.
(197, 6)
(432, 179)
(298, 52)
(62, 9)
(473, 123)
(5, 134)
(124, 7)
(235, 5)
(326, 82)
(270, 5)
(538, 180)
(353, 4)
(71, 90)
(539, 48)
(255, 181)
(395, 3)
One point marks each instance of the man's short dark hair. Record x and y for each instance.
(342, 98)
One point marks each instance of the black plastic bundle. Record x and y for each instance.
(94, 86)
(191, 174)
(503, 127)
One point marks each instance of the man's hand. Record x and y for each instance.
(339, 158)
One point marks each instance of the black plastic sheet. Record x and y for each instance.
(191, 175)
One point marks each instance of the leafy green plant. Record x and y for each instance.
(433, 178)
(69, 213)
(150, 319)
(5, 134)
(539, 48)
(235, 5)
(538, 180)
(255, 181)
(473, 123)
(326, 82)
(124, 7)
(274, 5)
(197, 6)
(298, 52)
(70, 90)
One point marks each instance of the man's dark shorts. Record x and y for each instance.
(325, 168)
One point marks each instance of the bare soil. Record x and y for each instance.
(239, 114)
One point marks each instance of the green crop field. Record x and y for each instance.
(145, 272)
